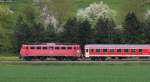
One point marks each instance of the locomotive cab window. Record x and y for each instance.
(26, 47)
(118, 50)
(140, 50)
(132, 50)
(104, 50)
(97, 50)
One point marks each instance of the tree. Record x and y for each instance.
(28, 27)
(22, 33)
(133, 32)
(37, 35)
(71, 31)
(50, 34)
(95, 11)
(147, 28)
(85, 34)
(136, 6)
(104, 31)
(62, 10)
(6, 27)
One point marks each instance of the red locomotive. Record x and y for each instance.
(73, 51)
(43, 51)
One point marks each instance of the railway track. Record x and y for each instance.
(74, 62)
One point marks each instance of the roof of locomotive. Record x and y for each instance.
(52, 44)
(117, 46)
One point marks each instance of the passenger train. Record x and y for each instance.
(95, 52)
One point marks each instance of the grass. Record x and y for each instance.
(74, 73)
(9, 58)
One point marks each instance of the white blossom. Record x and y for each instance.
(147, 14)
(95, 11)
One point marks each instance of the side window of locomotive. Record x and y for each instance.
(63, 48)
(111, 50)
(51, 48)
(75, 48)
(140, 50)
(132, 50)
(69, 48)
(118, 50)
(56, 48)
(44, 48)
(32, 48)
(97, 50)
(38, 47)
(26, 47)
(125, 50)
(104, 50)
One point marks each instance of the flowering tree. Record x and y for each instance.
(95, 11)
(147, 16)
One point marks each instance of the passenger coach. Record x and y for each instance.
(95, 51)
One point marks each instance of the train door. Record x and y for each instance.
(87, 52)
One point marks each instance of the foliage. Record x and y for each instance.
(71, 31)
(133, 32)
(95, 11)
(60, 9)
(147, 28)
(104, 31)
(136, 6)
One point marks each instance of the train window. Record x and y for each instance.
(44, 48)
(75, 48)
(63, 48)
(97, 50)
(69, 47)
(32, 47)
(140, 50)
(51, 48)
(87, 50)
(118, 50)
(125, 50)
(92, 50)
(104, 50)
(38, 47)
(26, 47)
(132, 50)
(56, 48)
(111, 50)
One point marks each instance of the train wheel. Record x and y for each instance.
(74, 58)
(103, 58)
(27, 58)
(95, 58)
(60, 58)
(42, 58)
